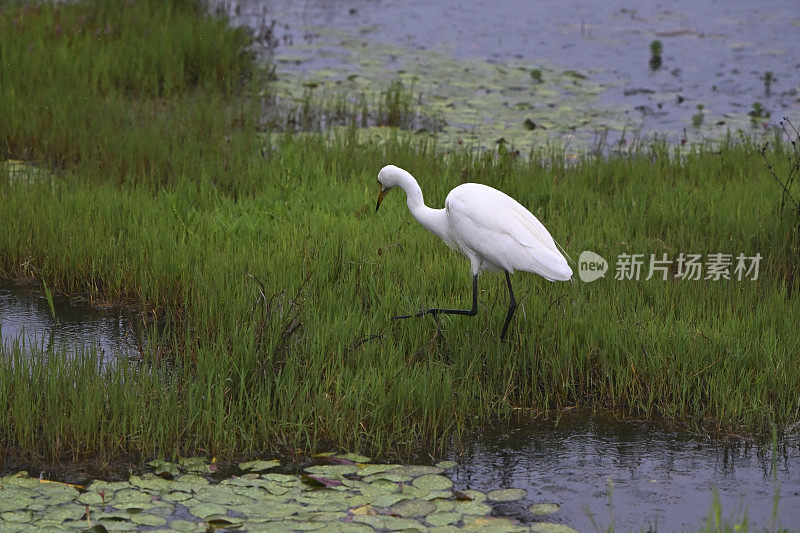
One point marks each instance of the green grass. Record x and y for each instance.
(181, 226)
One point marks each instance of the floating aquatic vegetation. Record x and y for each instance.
(544, 508)
(336, 497)
(480, 100)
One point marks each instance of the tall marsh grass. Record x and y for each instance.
(261, 256)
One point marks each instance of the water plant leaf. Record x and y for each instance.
(443, 518)
(371, 469)
(549, 527)
(544, 508)
(356, 458)
(473, 508)
(259, 466)
(150, 520)
(182, 525)
(445, 465)
(494, 524)
(321, 481)
(151, 482)
(17, 516)
(336, 461)
(388, 475)
(506, 495)
(476, 495)
(224, 521)
(191, 480)
(222, 495)
(281, 478)
(131, 496)
(197, 465)
(364, 509)
(177, 496)
(164, 468)
(204, 510)
(391, 523)
(14, 500)
(438, 494)
(413, 508)
(444, 506)
(431, 482)
(416, 470)
(332, 470)
(387, 500)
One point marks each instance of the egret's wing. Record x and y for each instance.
(500, 229)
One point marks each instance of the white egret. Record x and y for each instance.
(494, 231)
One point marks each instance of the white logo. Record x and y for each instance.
(591, 266)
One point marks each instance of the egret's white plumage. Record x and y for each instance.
(494, 231)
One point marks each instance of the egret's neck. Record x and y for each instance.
(434, 220)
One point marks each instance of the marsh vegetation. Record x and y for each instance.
(255, 257)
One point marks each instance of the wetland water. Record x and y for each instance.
(25, 316)
(471, 61)
(658, 477)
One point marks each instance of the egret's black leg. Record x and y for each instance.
(469, 312)
(512, 306)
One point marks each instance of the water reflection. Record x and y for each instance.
(25, 316)
(634, 474)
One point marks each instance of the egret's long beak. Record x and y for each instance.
(380, 199)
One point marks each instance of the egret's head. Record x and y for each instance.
(387, 179)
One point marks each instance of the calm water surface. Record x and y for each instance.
(635, 475)
(25, 316)
(715, 54)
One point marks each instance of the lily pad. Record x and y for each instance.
(150, 520)
(473, 508)
(417, 470)
(544, 508)
(356, 458)
(320, 481)
(197, 465)
(332, 470)
(17, 516)
(177, 496)
(494, 524)
(151, 482)
(549, 527)
(164, 468)
(409, 508)
(223, 521)
(391, 523)
(259, 466)
(183, 525)
(192, 480)
(204, 510)
(387, 500)
(14, 500)
(432, 482)
(370, 469)
(443, 518)
(131, 496)
(446, 464)
(506, 495)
